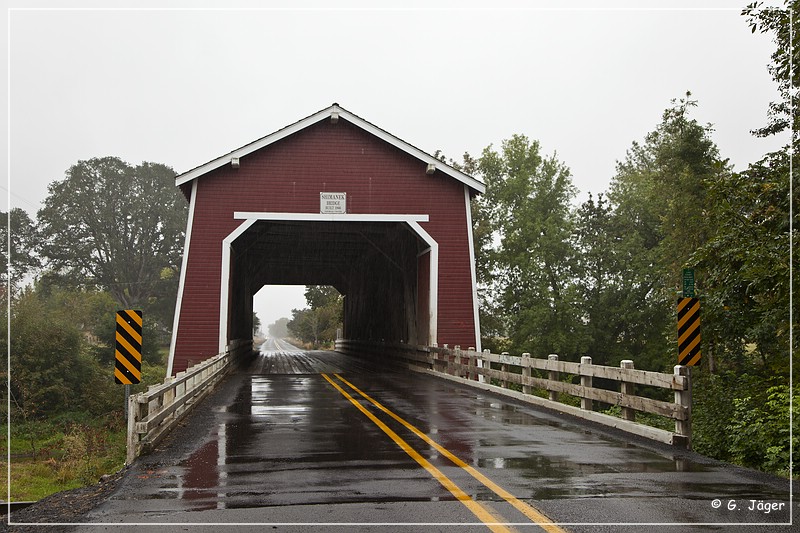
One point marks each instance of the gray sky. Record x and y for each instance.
(182, 86)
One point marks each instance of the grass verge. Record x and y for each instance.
(62, 453)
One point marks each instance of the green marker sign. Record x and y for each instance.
(688, 283)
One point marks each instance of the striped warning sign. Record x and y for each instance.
(128, 368)
(688, 331)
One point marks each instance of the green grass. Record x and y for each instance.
(62, 453)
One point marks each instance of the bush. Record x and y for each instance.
(759, 432)
(745, 420)
(46, 373)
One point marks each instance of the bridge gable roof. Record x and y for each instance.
(342, 114)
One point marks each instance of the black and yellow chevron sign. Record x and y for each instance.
(128, 368)
(688, 331)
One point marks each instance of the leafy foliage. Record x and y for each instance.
(782, 115)
(746, 265)
(527, 208)
(25, 242)
(117, 227)
(317, 324)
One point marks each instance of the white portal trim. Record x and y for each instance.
(433, 292)
(227, 246)
(472, 271)
(182, 281)
(251, 218)
(328, 217)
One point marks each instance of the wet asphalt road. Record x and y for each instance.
(282, 446)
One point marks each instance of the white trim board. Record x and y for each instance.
(327, 217)
(225, 275)
(182, 281)
(473, 273)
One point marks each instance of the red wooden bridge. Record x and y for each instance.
(329, 200)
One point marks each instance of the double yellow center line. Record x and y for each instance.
(486, 516)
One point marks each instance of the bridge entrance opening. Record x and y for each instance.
(381, 269)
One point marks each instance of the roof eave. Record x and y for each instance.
(468, 180)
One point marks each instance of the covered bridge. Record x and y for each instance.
(329, 200)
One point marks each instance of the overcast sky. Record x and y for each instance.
(183, 86)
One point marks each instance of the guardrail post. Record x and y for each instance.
(552, 375)
(526, 372)
(586, 383)
(684, 399)
(133, 436)
(484, 364)
(473, 363)
(458, 360)
(627, 389)
(504, 369)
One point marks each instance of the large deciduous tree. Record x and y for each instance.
(527, 204)
(661, 192)
(119, 227)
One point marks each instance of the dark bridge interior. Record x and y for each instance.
(372, 264)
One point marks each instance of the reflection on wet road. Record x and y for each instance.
(282, 439)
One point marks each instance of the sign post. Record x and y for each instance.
(128, 363)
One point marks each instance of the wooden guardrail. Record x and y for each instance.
(152, 414)
(526, 373)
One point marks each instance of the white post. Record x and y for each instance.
(133, 437)
(552, 375)
(684, 399)
(526, 372)
(504, 369)
(482, 363)
(586, 383)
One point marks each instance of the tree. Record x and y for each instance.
(117, 227)
(603, 283)
(318, 323)
(746, 264)
(45, 368)
(25, 242)
(661, 193)
(527, 207)
(278, 328)
(742, 412)
(747, 257)
(782, 115)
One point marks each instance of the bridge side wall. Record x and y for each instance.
(287, 176)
